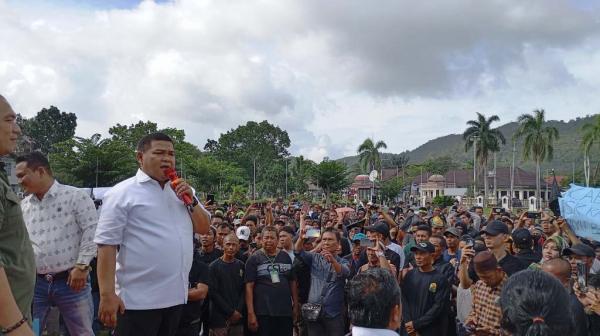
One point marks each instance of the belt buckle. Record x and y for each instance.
(49, 277)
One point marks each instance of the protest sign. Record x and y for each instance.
(580, 206)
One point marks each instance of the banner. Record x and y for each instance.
(580, 206)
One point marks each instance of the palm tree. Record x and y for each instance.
(369, 154)
(488, 141)
(538, 143)
(591, 137)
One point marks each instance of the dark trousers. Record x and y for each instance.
(152, 322)
(327, 326)
(189, 330)
(275, 325)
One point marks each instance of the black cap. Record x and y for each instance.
(495, 228)
(452, 231)
(380, 227)
(580, 250)
(522, 237)
(423, 247)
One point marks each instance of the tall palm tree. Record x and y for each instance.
(538, 143)
(369, 155)
(591, 137)
(488, 141)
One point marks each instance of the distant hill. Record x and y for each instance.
(566, 149)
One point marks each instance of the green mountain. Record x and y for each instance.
(567, 150)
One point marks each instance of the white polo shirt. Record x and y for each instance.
(155, 234)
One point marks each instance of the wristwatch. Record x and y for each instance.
(83, 267)
(195, 202)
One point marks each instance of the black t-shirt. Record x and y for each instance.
(426, 301)
(390, 255)
(208, 258)
(271, 298)
(528, 257)
(226, 290)
(198, 274)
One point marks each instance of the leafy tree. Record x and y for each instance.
(91, 162)
(539, 140)
(300, 174)
(391, 188)
(443, 201)
(331, 176)
(440, 165)
(369, 155)
(488, 140)
(211, 145)
(209, 174)
(591, 137)
(50, 126)
(262, 143)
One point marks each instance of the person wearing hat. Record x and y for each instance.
(353, 257)
(452, 251)
(523, 242)
(495, 235)
(244, 235)
(437, 226)
(380, 232)
(580, 253)
(425, 295)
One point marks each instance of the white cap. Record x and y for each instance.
(243, 232)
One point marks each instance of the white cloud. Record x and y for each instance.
(331, 73)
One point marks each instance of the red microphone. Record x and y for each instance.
(175, 180)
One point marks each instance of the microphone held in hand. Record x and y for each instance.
(172, 175)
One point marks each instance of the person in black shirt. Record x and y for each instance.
(438, 261)
(524, 243)
(495, 235)
(425, 295)
(227, 291)
(191, 317)
(208, 254)
(271, 293)
(379, 232)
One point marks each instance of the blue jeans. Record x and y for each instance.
(76, 308)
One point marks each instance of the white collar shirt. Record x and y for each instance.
(360, 331)
(154, 231)
(61, 228)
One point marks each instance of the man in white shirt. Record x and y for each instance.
(145, 218)
(61, 221)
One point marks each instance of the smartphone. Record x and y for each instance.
(470, 242)
(534, 215)
(367, 243)
(498, 210)
(582, 276)
(210, 199)
(313, 233)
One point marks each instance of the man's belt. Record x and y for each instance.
(51, 277)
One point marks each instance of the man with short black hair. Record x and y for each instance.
(271, 292)
(61, 221)
(374, 303)
(425, 295)
(328, 275)
(223, 230)
(286, 237)
(524, 244)
(17, 262)
(378, 232)
(138, 216)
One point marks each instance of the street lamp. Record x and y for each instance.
(474, 138)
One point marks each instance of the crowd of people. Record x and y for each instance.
(151, 259)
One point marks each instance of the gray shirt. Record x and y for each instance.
(326, 285)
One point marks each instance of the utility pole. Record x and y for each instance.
(512, 176)
(96, 172)
(474, 167)
(495, 184)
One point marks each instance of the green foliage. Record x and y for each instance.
(49, 126)
(443, 201)
(300, 174)
(440, 165)
(391, 188)
(331, 176)
(262, 142)
(370, 157)
(539, 139)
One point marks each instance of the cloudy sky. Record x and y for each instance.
(330, 72)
